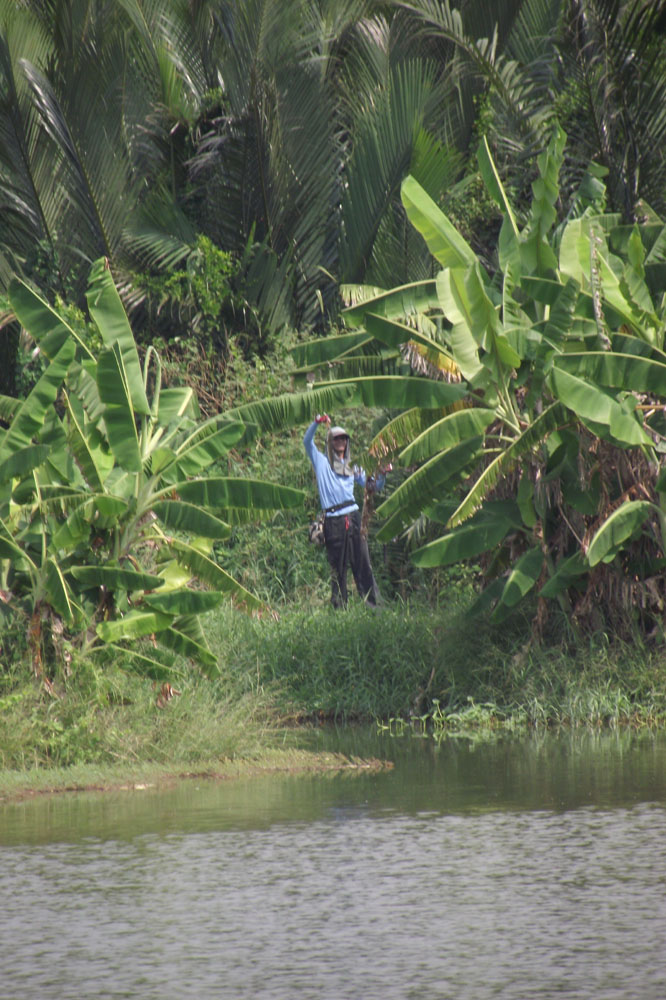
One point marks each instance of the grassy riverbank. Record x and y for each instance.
(410, 666)
(18, 785)
(417, 662)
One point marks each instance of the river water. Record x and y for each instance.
(531, 868)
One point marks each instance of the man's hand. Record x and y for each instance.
(322, 418)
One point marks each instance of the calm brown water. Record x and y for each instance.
(526, 869)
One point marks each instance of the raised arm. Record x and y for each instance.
(308, 438)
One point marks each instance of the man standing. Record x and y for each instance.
(345, 544)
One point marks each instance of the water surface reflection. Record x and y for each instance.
(517, 869)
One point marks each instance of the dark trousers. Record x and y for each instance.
(346, 547)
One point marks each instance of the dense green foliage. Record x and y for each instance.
(114, 495)
(106, 517)
(280, 131)
(548, 468)
(244, 170)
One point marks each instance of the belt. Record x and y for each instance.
(339, 506)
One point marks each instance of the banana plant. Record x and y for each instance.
(545, 468)
(110, 505)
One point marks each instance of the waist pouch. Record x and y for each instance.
(316, 528)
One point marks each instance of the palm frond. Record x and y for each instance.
(519, 94)
(28, 175)
(94, 173)
(531, 36)
(158, 236)
(380, 159)
(613, 61)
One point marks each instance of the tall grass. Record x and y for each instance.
(413, 661)
(409, 665)
(111, 716)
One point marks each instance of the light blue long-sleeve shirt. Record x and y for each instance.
(333, 488)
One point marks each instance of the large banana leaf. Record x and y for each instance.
(10, 550)
(382, 361)
(183, 644)
(400, 431)
(466, 541)
(175, 402)
(464, 347)
(8, 407)
(409, 302)
(219, 493)
(522, 446)
(599, 408)
(317, 352)
(402, 392)
(208, 571)
(444, 242)
(119, 419)
(83, 447)
(521, 580)
(183, 601)
(394, 333)
(468, 307)
(619, 371)
(568, 571)
(390, 391)
(57, 591)
(583, 256)
(107, 310)
(624, 343)
(427, 484)
(468, 302)
(548, 292)
(30, 416)
(447, 432)
(75, 529)
(122, 437)
(45, 325)
(147, 666)
(61, 465)
(115, 578)
(617, 529)
(133, 625)
(536, 252)
(186, 517)
(22, 461)
(291, 409)
(197, 449)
